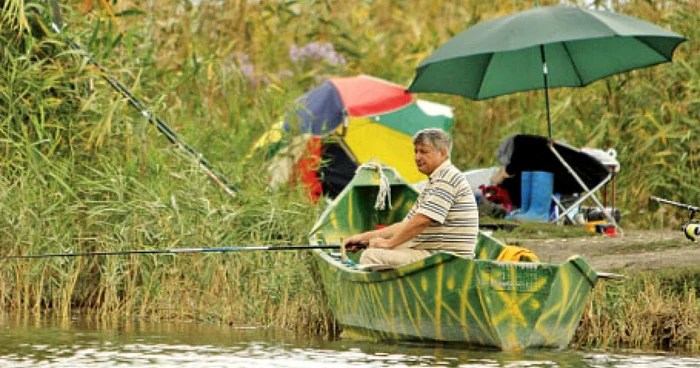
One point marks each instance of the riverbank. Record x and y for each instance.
(636, 250)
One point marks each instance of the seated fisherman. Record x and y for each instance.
(444, 217)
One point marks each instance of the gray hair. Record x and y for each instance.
(435, 137)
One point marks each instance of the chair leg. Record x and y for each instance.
(540, 197)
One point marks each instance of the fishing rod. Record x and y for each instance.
(691, 229)
(177, 251)
(693, 210)
(217, 177)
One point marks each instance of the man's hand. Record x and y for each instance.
(351, 243)
(355, 239)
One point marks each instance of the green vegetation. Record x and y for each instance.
(82, 171)
(534, 230)
(656, 310)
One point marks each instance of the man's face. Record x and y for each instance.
(428, 158)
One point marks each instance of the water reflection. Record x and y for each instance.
(79, 343)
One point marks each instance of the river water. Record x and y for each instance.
(32, 342)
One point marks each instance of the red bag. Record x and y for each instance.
(496, 194)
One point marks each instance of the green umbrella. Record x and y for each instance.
(542, 48)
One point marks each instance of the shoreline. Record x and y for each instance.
(636, 250)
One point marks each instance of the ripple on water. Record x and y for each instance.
(77, 344)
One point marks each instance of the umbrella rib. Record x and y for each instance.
(344, 147)
(573, 63)
(657, 51)
(636, 37)
(483, 76)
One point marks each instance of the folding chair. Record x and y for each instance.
(589, 193)
(575, 171)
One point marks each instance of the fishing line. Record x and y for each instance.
(177, 251)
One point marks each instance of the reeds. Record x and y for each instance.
(649, 311)
(81, 171)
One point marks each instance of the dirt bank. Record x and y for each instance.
(636, 249)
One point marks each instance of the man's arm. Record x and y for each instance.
(409, 230)
(384, 233)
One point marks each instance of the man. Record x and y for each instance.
(445, 216)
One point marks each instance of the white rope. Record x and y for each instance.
(384, 194)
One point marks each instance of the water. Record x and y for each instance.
(77, 343)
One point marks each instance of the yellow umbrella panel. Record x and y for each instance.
(368, 139)
(389, 137)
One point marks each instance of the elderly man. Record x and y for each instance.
(445, 216)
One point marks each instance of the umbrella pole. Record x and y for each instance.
(545, 73)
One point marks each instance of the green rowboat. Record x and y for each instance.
(478, 302)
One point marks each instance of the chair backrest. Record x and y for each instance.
(532, 153)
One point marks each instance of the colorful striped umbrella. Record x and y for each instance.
(346, 122)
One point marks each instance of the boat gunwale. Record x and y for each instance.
(434, 260)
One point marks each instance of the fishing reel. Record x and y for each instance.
(691, 229)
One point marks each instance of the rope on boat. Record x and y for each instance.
(384, 194)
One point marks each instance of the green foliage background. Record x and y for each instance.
(80, 170)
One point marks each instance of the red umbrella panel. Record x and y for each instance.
(321, 110)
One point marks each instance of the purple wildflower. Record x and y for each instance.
(316, 51)
(248, 70)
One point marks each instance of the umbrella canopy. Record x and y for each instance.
(542, 48)
(343, 123)
(323, 109)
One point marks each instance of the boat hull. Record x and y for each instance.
(502, 305)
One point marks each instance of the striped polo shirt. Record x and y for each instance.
(449, 202)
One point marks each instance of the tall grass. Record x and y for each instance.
(649, 116)
(81, 171)
(649, 311)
